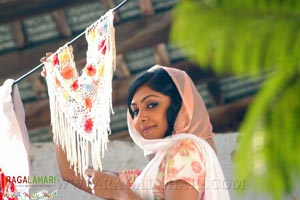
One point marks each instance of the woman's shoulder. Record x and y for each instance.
(186, 143)
(186, 147)
(185, 161)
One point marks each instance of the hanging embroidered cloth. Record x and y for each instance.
(7, 188)
(81, 105)
(14, 140)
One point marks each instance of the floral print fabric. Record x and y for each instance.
(184, 161)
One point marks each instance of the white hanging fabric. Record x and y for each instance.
(81, 105)
(14, 140)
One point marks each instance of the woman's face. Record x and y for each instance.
(150, 112)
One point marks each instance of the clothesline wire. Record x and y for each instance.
(73, 40)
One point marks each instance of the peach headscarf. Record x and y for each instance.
(193, 123)
(192, 117)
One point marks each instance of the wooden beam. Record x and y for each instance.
(228, 117)
(197, 74)
(61, 23)
(136, 34)
(122, 68)
(18, 9)
(215, 91)
(18, 34)
(15, 64)
(38, 84)
(108, 3)
(146, 7)
(161, 54)
(143, 32)
(37, 114)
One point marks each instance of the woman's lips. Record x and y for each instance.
(147, 129)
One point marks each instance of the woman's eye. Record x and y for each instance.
(152, 105)
(135, 112)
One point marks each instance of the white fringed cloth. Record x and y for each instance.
(81, 105)
(14, 140)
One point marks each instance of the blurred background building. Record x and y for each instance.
(30, 29)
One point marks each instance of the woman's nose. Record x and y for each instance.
(143, 117)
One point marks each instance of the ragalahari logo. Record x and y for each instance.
(8, 187)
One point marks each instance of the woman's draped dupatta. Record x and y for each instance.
(191, 123)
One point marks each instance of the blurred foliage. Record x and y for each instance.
(249, 37)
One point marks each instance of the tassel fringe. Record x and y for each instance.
(68, 130)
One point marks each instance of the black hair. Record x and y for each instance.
(159, 81)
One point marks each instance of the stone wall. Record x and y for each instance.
(125, 155)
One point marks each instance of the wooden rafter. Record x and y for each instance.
(18, 34)
(133, 35)
(143, 32)
(161, 54)
(61, 23)
(122, 68)
(146, 7)
(108, 3)
(22, 9)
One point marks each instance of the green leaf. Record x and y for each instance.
(250, 37)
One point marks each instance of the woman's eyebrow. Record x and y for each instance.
(143, 99)
(146, 97)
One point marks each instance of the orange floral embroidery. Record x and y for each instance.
(128, 176)
(90, 70)
(103, 51)
(66, 94)
(196, 167)
(74, 85)
(101, 69)
(92, 34)
(184, 148)
(64, 56)
(55, 60)
(67, 72)
(172, 172)
(170, 163)
(159, 187)
(184, 162)
(102, 43)
(57, 82)
(102, 46)
(88, 125)
(201, 179)
(88, 103)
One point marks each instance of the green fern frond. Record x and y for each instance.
(247, 37)
(237, 41)
(270, 135)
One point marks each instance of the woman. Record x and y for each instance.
(167, 118)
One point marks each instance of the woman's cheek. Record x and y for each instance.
(136, 126)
